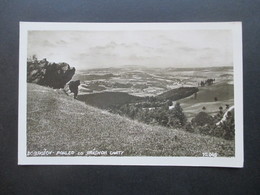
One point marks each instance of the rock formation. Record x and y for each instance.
(54, 75)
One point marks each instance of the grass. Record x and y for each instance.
(57, 122)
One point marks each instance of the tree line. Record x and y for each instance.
(174, 117)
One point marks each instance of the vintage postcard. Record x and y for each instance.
(163, 94)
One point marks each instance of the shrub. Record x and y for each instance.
(189, 127)
(205, 124)
(229, 127)
(202, 119)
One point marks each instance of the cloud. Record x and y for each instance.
(205, 50)
(61, 43)
(47, 43)
(115, 48)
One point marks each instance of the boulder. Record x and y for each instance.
(54, 75)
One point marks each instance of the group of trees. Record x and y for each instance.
(202, 123)
(207, 82)
(157, 115)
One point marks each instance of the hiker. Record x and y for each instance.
(73, 86)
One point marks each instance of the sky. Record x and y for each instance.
(103, 49)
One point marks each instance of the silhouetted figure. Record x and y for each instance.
(73, 86)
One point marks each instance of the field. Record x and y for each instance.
(205, 98)
(57, 122)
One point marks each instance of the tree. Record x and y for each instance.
(168, 103)
(221, 110)
(229, 127)
(202, 119)
(176, 116)
(34, 58)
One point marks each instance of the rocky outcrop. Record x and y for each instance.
(54, 75)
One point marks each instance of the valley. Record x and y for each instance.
(108, 87)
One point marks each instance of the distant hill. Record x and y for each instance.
(106, 99)
(179, 93)
(217, 68)
(56, 121)
(90, 77)
(206, 97)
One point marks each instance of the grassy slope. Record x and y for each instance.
(58, 122)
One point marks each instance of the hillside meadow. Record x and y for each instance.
(57, 122)
(223, 91)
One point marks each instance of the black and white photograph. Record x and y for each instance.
(165, 94)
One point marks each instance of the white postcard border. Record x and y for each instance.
(236, 161)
